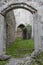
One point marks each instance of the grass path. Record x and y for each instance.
(20, 47)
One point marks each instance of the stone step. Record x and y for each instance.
(4, 57)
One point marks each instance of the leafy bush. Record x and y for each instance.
(29, 31)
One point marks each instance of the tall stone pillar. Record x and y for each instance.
(2, 35)
(10, 27)
(35, 31)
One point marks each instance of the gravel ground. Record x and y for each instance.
(15, 61)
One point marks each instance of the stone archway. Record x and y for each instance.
(22, 5)
(7, 9)
(22, 31)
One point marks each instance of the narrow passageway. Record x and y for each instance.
(22, 45)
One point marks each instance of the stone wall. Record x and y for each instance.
(10, 27)
(19, 33)
(2, 0)
(2, 35)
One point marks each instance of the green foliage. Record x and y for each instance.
(29, 28)
(3, 62)
(38, 60)
(29, 31)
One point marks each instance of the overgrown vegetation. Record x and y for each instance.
(38, 60)
(29, 31)
(20, 48)
(3, 62)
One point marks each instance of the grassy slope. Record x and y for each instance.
(20, 47)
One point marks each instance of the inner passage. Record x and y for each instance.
(23, 42)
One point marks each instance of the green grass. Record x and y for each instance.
(20, 47)
(3, 62)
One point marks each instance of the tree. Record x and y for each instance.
(29, 31)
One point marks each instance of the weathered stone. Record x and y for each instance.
(4, 57)
(2, 35)
(10, 27)
(10, 23)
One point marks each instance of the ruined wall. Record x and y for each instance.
(18, 0)
(19, 33)
(10, 27)
(2, 0)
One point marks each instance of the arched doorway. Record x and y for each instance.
(12, 6)
(22, 5)
(23, 31)
(6, 12)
